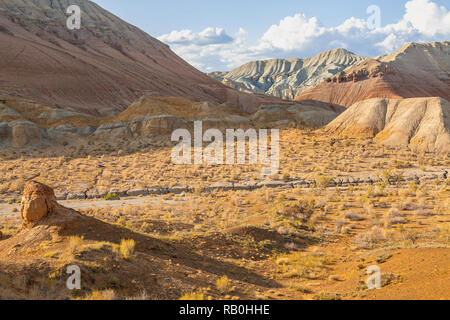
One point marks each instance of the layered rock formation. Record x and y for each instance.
(422, 124)
(149, 116)
(99, 69)
(287, 78)
(415, 70)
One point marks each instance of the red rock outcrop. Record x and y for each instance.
(38, 202)
(415, 70)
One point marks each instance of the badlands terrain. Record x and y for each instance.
(288, 78)
(415, 70)
(86, 176)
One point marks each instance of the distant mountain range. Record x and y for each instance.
(415, 70)
(287, 78)
(341, 77)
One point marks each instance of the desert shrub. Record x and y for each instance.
(143, 295)
(423, 213)
(412, 187)
(121, 221)
(75, 244)
(393, 217)
(193, 296)
(302, 210)
(388, 278)
(327, 296)
(101, 295)
(286, 176)
(367, 240)
(308, 265)
(223, 284)
(126, 248)
(299, 288)
(444, 231)
(386, 176)
(354, 216)
(112, 196)
(323, 181)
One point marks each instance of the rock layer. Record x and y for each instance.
(423, 124)
(150, 116)
(287, 78)
(99, 69)
(415, 70)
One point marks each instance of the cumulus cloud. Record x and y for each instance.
(302, 36)
(427, 17)
(292, 33)
(206, 37)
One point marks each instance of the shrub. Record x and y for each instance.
(75, 243)
(413, 187)
(393, 217)
(302, 210)
(323, 181)
(193, 296)
(367, 240)
(327, 296)
(121, 221)
(112, 196)
(386, 176)
(354, 216)
(423, 213)
(223, 284)
(102, 295)
(126, 248)
(308, 265)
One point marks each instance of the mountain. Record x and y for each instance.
(287, 78)
(423, 124)
(101, 68)
(415, 70)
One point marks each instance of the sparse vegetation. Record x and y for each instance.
(126, 248)
(296, 236)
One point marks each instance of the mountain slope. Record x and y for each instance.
(415, 70)
(287, 78)
(99, 69)
(420, 123)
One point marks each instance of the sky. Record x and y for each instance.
(217, 35)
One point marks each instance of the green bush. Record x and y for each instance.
(112, 196)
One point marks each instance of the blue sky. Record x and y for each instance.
(220, 35)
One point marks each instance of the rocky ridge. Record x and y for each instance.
(415, 70)
(287, 78)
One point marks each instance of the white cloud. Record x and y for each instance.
(206, 37)
(427, 17)
(292, 33)
(300, 36)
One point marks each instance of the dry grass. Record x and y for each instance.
(126, 248)
(299, 237)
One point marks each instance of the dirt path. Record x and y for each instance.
(6, 210)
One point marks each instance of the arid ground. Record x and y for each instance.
(337, 207)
